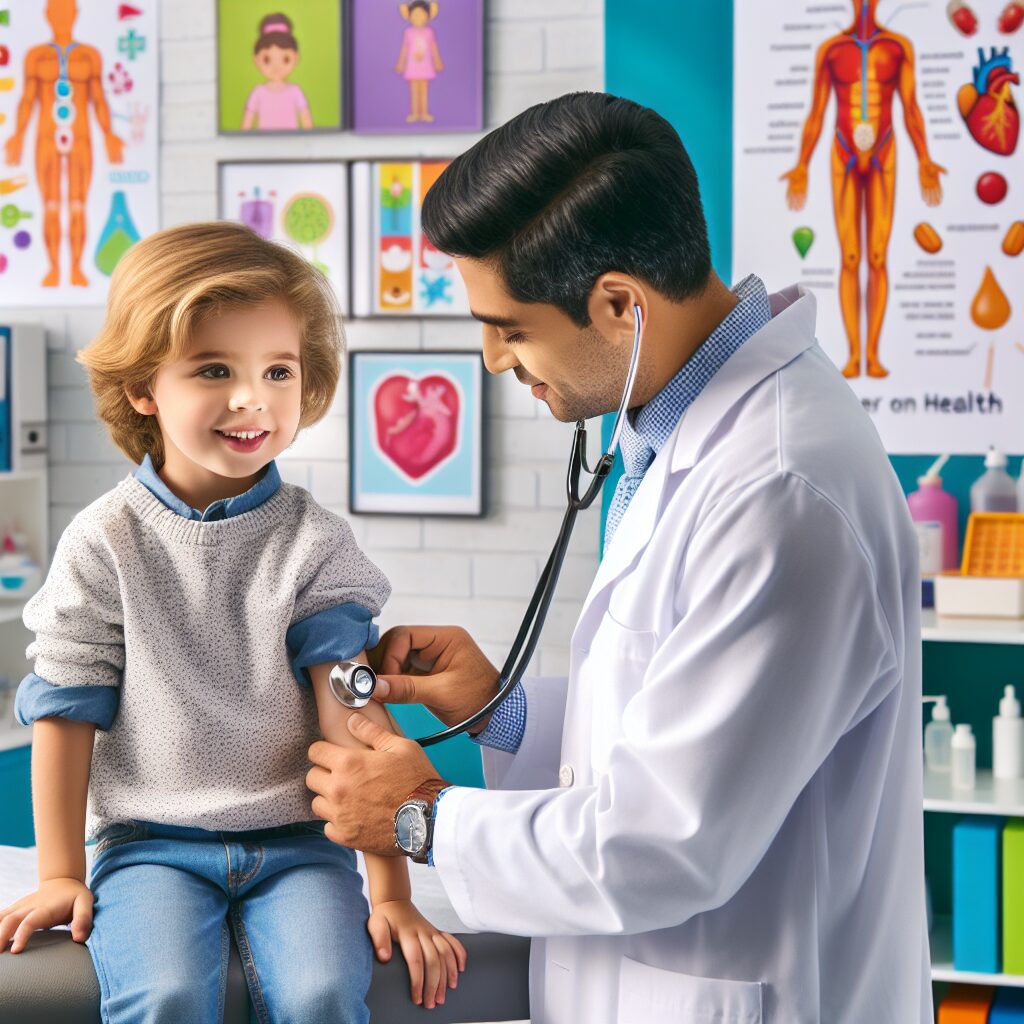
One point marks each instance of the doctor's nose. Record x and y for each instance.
(498, 357)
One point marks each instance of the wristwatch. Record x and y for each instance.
(414, 820)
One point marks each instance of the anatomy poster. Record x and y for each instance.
(78, 145)
(396, 271)
(877, 162)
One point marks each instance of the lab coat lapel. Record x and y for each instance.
(782, 339)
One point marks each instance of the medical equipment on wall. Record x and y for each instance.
(533, 622)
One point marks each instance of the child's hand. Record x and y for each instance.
(57, 901)
(434, 957)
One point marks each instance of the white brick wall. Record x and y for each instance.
(476, 573)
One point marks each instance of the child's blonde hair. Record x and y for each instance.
(170, 282)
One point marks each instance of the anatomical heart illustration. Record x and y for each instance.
(416, 432)
(987, 104)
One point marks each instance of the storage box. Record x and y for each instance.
(987, 597)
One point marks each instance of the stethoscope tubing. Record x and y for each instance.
(528, 636)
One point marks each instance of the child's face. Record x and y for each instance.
(275, 63)
(419, 17)
(241, 373)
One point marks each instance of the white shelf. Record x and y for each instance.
(942, 961)
(971, 631)
(15, 735)
(1004, 797)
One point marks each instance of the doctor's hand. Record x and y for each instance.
(439, 667)
(358, 791)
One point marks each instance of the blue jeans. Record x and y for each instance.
(166, 895)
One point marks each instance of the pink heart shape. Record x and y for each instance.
(417, 421)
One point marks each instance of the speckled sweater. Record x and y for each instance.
(201, 626)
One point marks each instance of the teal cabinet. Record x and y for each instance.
(16, 797)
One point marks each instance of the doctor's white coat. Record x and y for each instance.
(717, 817)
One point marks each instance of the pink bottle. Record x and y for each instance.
(935, 513)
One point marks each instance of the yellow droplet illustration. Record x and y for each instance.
(990, 308)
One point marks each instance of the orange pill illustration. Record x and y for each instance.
(1013, 243)
(990, 308)
(927, 237)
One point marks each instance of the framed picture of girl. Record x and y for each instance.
(416, 67)
(279, 65)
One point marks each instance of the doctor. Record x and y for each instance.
(718, 815)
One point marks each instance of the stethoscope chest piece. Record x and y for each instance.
(352, 684)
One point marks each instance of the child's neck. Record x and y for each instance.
(200, 488)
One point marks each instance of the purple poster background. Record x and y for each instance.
(380, 94)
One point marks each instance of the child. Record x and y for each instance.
(276, 104)
(190, 639)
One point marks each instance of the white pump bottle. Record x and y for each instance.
(1008, 738)
(938, 737)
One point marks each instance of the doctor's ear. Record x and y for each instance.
(611, 303)
(141, 400)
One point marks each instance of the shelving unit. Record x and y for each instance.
(24, 500)
(991, 796)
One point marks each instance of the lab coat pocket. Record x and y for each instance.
(612, 675)
(651, 995)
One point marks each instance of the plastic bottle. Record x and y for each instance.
(935, 514)
(964, 753)
(994, 490)
(1008, 738)
(938, 736)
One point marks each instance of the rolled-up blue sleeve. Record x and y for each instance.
(38, 698)
(335, 634)
(508, 723)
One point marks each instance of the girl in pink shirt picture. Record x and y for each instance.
(276, 104)
(419, 60)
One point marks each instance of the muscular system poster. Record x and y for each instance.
(79, 138)
(877, 162)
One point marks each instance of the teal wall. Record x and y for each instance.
(678, 59)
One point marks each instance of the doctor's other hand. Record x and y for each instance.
(440, 667)
(56, 901)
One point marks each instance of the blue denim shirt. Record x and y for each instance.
(335, 634)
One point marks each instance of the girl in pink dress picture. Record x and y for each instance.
(419, 61)
(276, 105)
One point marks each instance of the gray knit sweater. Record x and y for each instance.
(189, 619)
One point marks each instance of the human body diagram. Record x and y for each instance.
(866, 67)
(64, 76)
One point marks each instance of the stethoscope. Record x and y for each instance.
(353, 683)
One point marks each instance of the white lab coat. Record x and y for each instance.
(718, 816)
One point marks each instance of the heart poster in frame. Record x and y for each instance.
(416, 433)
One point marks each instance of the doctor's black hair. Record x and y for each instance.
(569, 190)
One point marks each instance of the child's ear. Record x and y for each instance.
(142, 401)
(433, 10)
(403, 10)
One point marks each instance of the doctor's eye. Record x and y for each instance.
(515, 339)
(287, 374)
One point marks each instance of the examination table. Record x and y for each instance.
(52, 981)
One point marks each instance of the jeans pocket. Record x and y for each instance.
(117, 834)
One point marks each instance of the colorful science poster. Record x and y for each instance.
(301, 203)
(417, 67)
(79, 135)
(396, 271)
(877, 162)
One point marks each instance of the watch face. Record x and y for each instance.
(411, 828)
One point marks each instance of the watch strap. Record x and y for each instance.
(427, 791)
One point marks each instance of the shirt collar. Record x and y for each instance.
(645, 432)
(224, 508)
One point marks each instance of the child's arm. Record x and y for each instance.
(434, 958)
(61, 759)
